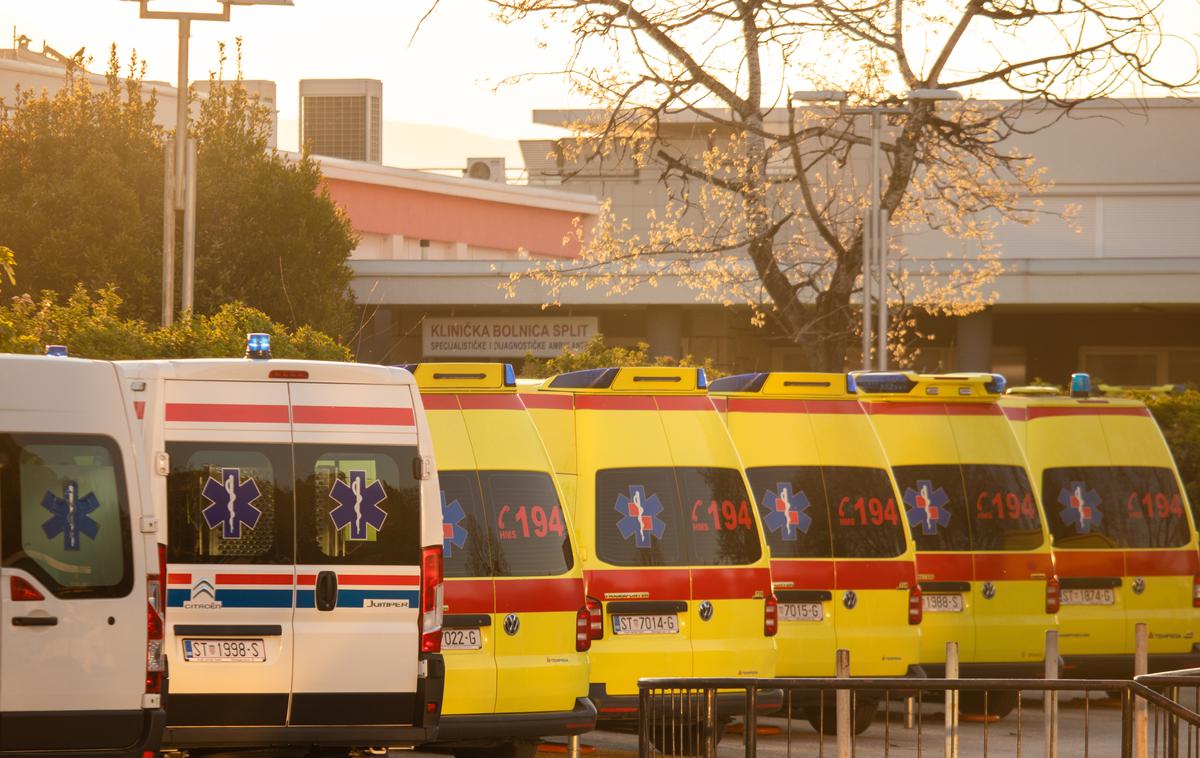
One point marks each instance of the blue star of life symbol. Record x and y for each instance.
(358, 505)
(927, 507)
(454, 534)
(232, 503)
(1081, 507)
(639, 515)
(70, 515)
(787, 511)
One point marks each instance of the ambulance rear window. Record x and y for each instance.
(357, 506)
(64, 516)
(828, 511)
(503, 523)
(969, 507)
(668, 516)
(1098, 507)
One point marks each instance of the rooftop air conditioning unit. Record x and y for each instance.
(487, 169)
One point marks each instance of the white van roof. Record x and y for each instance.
(59, 394)
(242, 369)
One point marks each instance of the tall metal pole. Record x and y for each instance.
(882, 329)
(876, 233)
(181, 111)
(168, 274)
(189, 231)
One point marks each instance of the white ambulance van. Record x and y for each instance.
(81, 667)
(304, 577)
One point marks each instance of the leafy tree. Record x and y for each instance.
(81, 183)
(766, 203)
(597, 354)
(8, 263)
(92, 326)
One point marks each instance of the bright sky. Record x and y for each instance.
(445, 77)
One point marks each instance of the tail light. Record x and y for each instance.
(23, 591)
(583, 630)
(431, 599)
(1053, 594)
(916, 605)
(595, 611)
(770, 616)
(156, 609)
(1196, 591)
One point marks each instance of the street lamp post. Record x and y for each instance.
(875, 226)
(179, 185)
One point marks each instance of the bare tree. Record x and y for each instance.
(766, 203)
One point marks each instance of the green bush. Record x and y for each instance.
(91, 326)
(597, 354)
(1179, 416)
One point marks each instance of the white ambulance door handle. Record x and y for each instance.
(35, 621)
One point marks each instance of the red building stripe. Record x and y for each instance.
(469, 596)
(730, 583)
(352, 415)
(656, 584)
(945, 567)
(547, 400)
(802, 574)
(273, 579)
(1089, 562)
(684, 403)
(1086, 410)
(439, 402)
(491, 402)
(1012, 566)
(875, 575)
(539, 595)
(615, 403)
(227, 413)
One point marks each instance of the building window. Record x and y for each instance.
(1143, 366)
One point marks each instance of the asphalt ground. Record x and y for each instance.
(1088, 726)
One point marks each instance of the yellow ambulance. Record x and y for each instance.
(842, 560)
(515, 633)
(678, 574)
(1124, 541)
(983, 550)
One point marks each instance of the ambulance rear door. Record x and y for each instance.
(230, 559)
(358, 543)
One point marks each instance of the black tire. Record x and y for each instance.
(1000, 703)
(689, 740)
(864, 715)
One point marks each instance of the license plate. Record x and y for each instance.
(801, 612)
(461, 639)
(942, 603)
(237, 651)
(1101, 596)
(667, 623)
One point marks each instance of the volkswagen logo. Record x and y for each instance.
(850, 599)
(706, 610)
(989, 590)
(511, 624)
(1139, 585)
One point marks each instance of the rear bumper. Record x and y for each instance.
(482, 727)
(26, 733)
(729, 704)
(427, 706)
(1121, 666)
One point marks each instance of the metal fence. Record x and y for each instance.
(1149, 715)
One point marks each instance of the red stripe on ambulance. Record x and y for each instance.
(470, 596)
(227, 413)
(549, 401)
(1084, 410)
(352, 415)
(539, 595)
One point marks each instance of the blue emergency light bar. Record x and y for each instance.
(701, 379)
(851, 385)
(881, 381)
(997, 385)
(258, 346)
(510, 376)
(57, 351)
(1081, 385)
